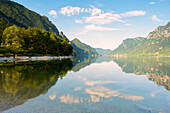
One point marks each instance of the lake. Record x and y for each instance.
(86, 84)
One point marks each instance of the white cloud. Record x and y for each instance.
(92, 27)
(79, 21)
(98, 16)
(152, 3)
(95, 11)
(154, 18)
(133, 13)
(53, 13)
(105, 18)
(69, 10)
(99, 28)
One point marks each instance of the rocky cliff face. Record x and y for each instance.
(160, 32)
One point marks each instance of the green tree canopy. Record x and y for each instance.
(13, 39)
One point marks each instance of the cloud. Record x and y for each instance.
(127, 24)
(98, 4)
(53, 13)
(69, 10)
(152, 3)
(133, 13)
(53, 96)
(92, 27)
(109, 17)
(95, 11)
(131, 97)
(99, 28)
(105, 18)
(98, 16)
(154, 18)
(79, 21)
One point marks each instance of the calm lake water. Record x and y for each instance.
(90, 84)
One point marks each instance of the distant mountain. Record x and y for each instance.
(156, 43)
(81, 49)
(17, 14)
(101, 51)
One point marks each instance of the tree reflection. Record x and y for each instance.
(155, 68)
(24, 81)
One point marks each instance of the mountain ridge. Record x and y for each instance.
(82, 49)
(157, 43)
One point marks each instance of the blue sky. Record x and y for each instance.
(103, 23)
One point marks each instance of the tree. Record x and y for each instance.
(3, 25)
(13, 39)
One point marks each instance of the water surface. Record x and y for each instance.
(86, 84)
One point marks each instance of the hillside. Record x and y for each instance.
(156, 43)
(82, 49)
(17, 14)
(40, 36)
(101, 51)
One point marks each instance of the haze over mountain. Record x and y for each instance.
(101, 51)
(156, 43)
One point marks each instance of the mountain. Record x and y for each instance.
(81, 49)
(17, 14)
(101, 51)
(61, 34)
(156, 43)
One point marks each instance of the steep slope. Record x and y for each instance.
(156, 43)
(101, 51)
(17, 14)
(61, 34)
(82, 49)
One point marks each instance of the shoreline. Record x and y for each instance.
(33, 58)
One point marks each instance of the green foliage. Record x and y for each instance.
(82, 61)
(13, 39)
(34, 41)
(156, 44)
(27, 80)
(23, 17)
(155, 68)
(82, 49)
(3, 25)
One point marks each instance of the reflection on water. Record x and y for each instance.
(95, 84)
(82, 61)
(156, 69)
(24, 81)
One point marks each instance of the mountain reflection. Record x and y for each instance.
(82, 61)
(155, 68)
(22, 81)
